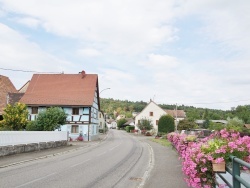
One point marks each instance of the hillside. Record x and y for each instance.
(115, 107)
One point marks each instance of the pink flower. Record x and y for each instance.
(203, 169)
(219, 160)
(232, 145)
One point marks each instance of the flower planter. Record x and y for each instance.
(219, 167)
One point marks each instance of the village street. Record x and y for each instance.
(121, 160)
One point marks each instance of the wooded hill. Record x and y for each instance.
(115, 107)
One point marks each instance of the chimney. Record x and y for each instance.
(83, 73)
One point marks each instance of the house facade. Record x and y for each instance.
(153, 112)
(76, 94)
(6, 86)
(101, 120)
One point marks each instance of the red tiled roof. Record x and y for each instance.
(180, 113)
(6, 86)
(61, 89)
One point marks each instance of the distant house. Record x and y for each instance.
(247, 126)
(101, 120)
(76, 94)
(120, 117)
(200, 122)
(111, 123)
(130, 122)
(153, 112)
(6, 86)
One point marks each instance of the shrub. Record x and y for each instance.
(166, 124)
(145, 124)
(129, 128)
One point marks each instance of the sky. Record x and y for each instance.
(184, 52)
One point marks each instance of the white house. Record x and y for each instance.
(101, 120)
(111, 123)
(153, 112)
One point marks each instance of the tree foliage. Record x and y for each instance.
(235, 124)
(124, 107)
(216, 126)
(186, 124)
(145, 124)
(48, 120)
(15, 117)
(166, 124)
(121, 122)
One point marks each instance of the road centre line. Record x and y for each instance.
(114, 147)
(80, 163)
(102, 153)
(38, 179)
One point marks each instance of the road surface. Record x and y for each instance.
(119, 161)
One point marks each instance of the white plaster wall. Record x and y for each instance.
(145, 113)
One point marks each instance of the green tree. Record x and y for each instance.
(235, 124)
(15, 117)
(48, 120)
(216, 126)
(145, 124)
(186, 124)
(121, 122)
(166, 124)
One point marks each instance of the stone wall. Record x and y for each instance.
(21, 148)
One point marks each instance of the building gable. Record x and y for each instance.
(6, 87)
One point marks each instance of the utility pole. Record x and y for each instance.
(176, 117)
(104, 128)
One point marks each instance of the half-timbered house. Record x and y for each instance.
(76, 94)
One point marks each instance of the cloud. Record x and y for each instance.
(121, 27)
(28, 21)
(162, 62)
(90, 52)
(17, 52)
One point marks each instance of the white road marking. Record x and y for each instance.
(114, 147)
(36, 180)
(102, 154)
(80, 163)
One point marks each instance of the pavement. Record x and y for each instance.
(166, 171)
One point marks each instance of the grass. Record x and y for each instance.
(163, 142)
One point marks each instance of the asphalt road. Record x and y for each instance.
(120, 161)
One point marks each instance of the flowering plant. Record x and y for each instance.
(197, 158)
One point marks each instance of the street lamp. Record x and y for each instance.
(105, 114)
(103, 90)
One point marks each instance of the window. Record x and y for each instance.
(34, 110)
(75, 129)
(75, 111)
(157, 121)
(139, 122)
(151, 113)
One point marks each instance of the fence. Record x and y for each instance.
(27, 137)
(235, 172)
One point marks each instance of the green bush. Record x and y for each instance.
(129, 128)
(166, 124)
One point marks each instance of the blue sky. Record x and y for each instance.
(186, 52)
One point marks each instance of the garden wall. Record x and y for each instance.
(14, 142)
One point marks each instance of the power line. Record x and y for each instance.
(16, 70)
